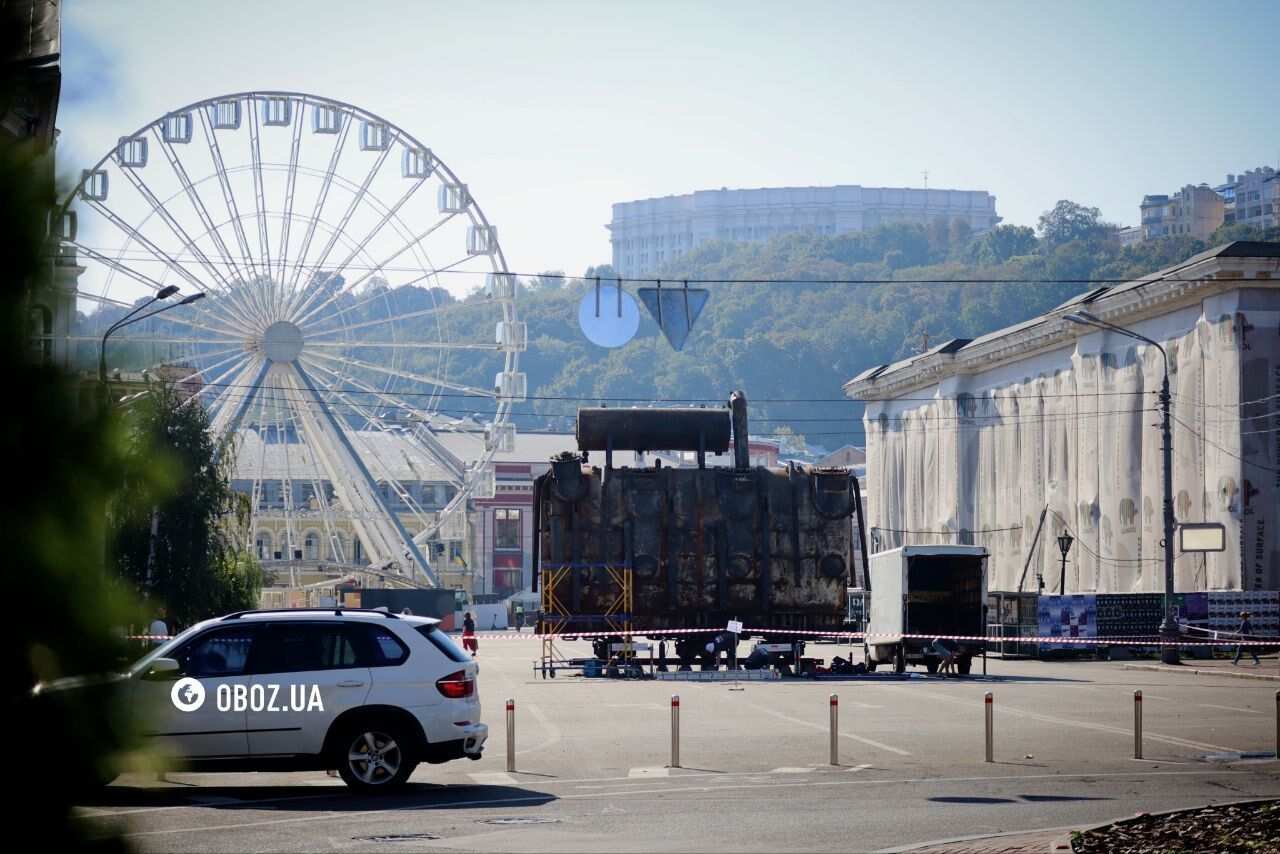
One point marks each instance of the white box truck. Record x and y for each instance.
(919, 593)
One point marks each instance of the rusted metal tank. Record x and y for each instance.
(771, 547)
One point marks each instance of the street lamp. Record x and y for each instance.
(163, 293)
(1169, 635)
(1064, 545)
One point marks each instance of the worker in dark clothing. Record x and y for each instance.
(469, 642)
(1246, 634)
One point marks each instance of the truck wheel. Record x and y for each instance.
(900, 661)
(871, 666)
(964, 665)
(931, 665)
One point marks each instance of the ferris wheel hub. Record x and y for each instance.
(282, 341)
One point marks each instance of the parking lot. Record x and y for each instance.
(593, 754)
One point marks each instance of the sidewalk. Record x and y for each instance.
(1036, 842)
(1268, 672)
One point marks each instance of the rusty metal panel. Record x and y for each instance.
(772, 547)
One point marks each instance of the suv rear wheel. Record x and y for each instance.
(375, 755)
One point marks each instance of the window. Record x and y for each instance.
(506, 529)
(444, 643)
(378, 647)
(298, 647)
(221, 652)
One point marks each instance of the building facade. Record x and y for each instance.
(1191, 212)
(648, 233)
(28, 118)
(1252, 198)
(974, 439)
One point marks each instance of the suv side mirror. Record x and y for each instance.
(163, 668)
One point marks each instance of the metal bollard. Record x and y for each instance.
(1137, 724)
(990, 729)
(511, 735)
(675, 730)
(835, 729)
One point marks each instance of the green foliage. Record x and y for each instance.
(1067, 221)
(64, 606)
(179, 530)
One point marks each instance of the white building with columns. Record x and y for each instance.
(650, 232)
(970, 441)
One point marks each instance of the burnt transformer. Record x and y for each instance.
(770, 547)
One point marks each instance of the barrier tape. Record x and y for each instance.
(1121, 640)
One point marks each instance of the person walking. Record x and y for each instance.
(1246, 634)
(469, 642)
(159, 631)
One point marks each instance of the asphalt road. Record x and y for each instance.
(592, 760)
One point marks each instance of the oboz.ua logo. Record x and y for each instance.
(187, 695)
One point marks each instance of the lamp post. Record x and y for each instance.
(1064, 545)
(1169, 634)
(163, 293)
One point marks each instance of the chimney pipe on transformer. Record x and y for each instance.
(738, 415)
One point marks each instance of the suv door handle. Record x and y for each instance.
(350, 683)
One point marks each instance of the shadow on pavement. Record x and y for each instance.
(315, 798)
(1033, 799)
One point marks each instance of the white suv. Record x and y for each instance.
(370, 693)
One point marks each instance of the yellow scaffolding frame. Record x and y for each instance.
(618, 615)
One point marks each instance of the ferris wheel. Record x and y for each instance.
(356, 311)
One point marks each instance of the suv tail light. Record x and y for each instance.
(455, 686)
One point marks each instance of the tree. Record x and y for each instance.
(1068, 221)
(183, 543)
(1004, 242)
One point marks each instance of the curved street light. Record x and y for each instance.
(1169, 633)
(130, 318)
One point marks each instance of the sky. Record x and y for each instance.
(553, 111)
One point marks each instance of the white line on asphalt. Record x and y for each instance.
(495, 778)
(553, 732)
(1230, 709)
(822, 728)
(1006, 710)
(786, 770)
(348, 814)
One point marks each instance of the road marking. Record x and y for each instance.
(1230, 709)
(1154, 736)
(863, 767)
(811, 725)
(649, 772)
(498, 778)
(786, 770)
(553, 732)
(347, 814)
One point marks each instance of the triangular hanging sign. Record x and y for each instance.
(675, 310)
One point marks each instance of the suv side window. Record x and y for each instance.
(377, 646)
(444, 643)
(218, 652)
(295, 647)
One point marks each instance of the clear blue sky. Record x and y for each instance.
(552, 111)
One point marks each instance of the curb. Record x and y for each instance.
(1193, 671)
(1063, 842)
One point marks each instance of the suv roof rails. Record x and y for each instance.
(338, 612)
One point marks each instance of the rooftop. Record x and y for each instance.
(1218, 269)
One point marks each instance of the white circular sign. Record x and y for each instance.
(609, 328)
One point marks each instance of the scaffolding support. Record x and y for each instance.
(616, 614)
